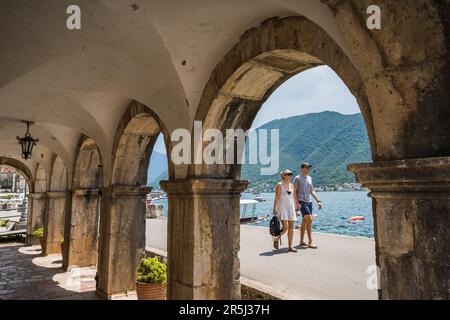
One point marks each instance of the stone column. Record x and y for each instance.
(54, 222)
(37, 206)
(83, 228)
(412, 225)
(122, 239)
(203, 238)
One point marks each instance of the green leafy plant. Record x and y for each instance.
(6, 196)
(62, 241)
(151, 270)
(3, 223)
(39, 232)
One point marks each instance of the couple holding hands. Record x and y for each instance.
(292, 198)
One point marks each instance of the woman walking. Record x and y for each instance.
(284, 208)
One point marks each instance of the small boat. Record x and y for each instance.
(357, 218)
(248, 212)
(257, 197)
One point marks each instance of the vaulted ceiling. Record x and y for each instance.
(160, 53)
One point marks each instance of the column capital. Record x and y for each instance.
(426, 178)
(129, 191)
(57, 194)
(203, 186)
(38, 195)
(86, 192)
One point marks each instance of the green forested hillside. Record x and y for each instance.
(327, 140)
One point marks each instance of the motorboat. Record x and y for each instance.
(248, 212)
(258, 197)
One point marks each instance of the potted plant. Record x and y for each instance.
(39, 233)
(151, 280)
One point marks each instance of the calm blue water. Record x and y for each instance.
(338, 207)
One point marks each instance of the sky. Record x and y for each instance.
(314, 90)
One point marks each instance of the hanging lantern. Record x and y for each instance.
(27, 142)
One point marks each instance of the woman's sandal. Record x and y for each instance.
(292, 250)
(276, 244)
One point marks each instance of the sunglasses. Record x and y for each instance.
(288, 174)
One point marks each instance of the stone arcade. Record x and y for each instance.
(100, 96)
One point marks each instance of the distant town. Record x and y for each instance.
(350, 186)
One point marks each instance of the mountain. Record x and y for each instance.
(327, 140)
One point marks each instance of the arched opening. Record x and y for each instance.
(123, 221)
(250, 72)
(157, 203)
(14, 191)
(82, 226)
(56, 207)
(37, 204)
(317, 121)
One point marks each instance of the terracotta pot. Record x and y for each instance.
(150, 291)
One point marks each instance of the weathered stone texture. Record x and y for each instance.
(122, 239)
(82, 221)
(54, 222)
(84, 228)
(37, 210)
(412, 206)
(203, 258)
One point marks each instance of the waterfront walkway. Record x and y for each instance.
(337, 270)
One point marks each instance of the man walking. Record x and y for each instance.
(303, 191)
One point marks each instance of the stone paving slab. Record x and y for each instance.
(25, 274)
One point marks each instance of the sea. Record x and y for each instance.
(338, 208)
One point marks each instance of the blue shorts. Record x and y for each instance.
(306, 208)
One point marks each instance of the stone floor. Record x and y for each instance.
(25, 274)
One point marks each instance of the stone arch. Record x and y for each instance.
(23, 169)
(135, 137)
(40, 183)
(58, 178)
(123, 217)
(258, 64)
(401, 91)
(88, 165)
(82, 224)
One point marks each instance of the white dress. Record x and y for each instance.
(285, 206)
